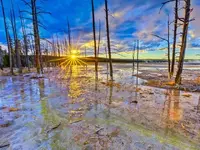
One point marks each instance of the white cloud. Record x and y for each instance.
(3, 46)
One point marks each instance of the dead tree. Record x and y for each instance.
(69, 36)
(106, 62)
(7, 37)
(66, 46)
(53, 46)
(12, 50)
(186, 20)
(36, 34)
(94, 38)
(35, 11)
(14, 29)
(25, 40)
(175, 35)
(133, 56)
(108, 40)
(85, 52)
(168, 46)
(99, 41)
(138, 53)
(58, 46)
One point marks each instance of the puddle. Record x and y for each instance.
(70, 109)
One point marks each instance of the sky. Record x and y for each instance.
(130, 20)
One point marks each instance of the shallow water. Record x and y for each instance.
(69, 109)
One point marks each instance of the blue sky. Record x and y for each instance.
(129, 20)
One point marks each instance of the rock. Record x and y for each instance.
(135, 102)
(13, 109)
(151, 93)
(150, 147)
(36, 77)
(186, 95)
(3, 107)
(4, 123)
(4, 145)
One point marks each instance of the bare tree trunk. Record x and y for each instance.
(47, 54)
(94, 36)
(69, 37)
(99, 42)
(14, 28)
(25, 40)
(168, 46)
(36, 36)
(168, 43)
(7, 38)
(175, 35)
(184, 41)
(108, 40)
(65, 46)
(32, 47)
(58, 46)
(12, 50)
(85, 52)
(53, 46)
(133, 55)
(138, 53)
(38, 40)
(106, 63)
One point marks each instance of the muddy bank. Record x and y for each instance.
(159, 78)
(68, 108)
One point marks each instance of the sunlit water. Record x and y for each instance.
(69, 109)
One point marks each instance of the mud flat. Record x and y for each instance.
(70, 109)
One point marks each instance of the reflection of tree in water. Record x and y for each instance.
(167, 106)
(22, 91)
(96, 100)
(175, 110)
(44, 107)
(172, 111)
(49, 117)
(3, 84)
(110, 100)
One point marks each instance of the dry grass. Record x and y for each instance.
(153, 83)
(170, 83)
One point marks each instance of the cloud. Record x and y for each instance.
(3, 46)
(129, 20)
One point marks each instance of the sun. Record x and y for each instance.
(73, 57)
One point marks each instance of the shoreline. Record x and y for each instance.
(155, 75)
(159, 79)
